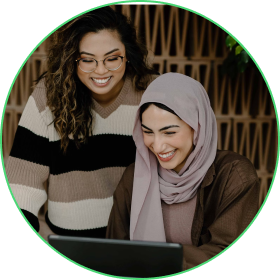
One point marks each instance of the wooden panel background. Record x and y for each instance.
(180, 41)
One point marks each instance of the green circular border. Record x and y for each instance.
(157, 2)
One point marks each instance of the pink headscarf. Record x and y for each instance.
(152, 183)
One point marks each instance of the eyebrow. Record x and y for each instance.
(164, 128)
(104, 54)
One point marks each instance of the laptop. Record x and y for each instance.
(121, 257)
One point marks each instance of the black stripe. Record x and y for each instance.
(30, 147)
(96, 233)
(32, 219)
(101, 151)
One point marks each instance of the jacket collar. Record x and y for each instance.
(199, 213)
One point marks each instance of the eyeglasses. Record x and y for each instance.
(111, 63)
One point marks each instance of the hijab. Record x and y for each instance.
(152, 183)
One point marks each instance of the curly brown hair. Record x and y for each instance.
(68, 98)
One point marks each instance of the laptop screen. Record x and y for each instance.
(121, 257)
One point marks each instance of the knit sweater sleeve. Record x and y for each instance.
(27, 167)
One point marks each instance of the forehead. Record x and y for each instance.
(103, 41)
(157, 117)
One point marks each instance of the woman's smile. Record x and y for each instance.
(101, 82)
(167, 156)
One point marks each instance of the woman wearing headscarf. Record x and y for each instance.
(181, 189)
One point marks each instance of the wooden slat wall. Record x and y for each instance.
(180, 41)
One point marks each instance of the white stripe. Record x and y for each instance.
(49, 117)
(29, 199)
(80, 215)
(39, 123)
(120, 122)
(32, 120)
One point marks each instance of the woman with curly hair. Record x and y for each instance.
(76, 129)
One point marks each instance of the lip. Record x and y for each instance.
(101, 78)
(168, 158)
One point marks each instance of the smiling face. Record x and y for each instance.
(167, 136)
(104, 84)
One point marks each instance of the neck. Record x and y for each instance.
(107, 99)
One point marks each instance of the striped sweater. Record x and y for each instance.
(82, 182)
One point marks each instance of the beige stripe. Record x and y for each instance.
(80, 185)
(79, 215)
(26, 173)
(29, 199)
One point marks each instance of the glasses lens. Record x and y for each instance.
(87, 64)
(113, 62)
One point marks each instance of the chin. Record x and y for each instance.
(167, 165)
(101, 92)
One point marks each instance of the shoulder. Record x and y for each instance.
(126, 182)
(40, 95)
(36, 109)
(128, 175)
(234, 171)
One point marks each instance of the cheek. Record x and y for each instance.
(121, 70)
(177, 142)
(80, 74)
(183, 141)
(147, 140)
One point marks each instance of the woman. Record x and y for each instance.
(181, 189)
(78, 122)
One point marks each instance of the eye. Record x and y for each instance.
(147, 132)
(112, 58)
(87, 60)
(169, 133)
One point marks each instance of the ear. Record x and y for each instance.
(196, 135)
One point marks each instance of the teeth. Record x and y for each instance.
(167, 155)
(101, 81)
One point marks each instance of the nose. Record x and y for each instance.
(101, 69)
(158, 145)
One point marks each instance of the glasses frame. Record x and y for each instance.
(122, 57)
